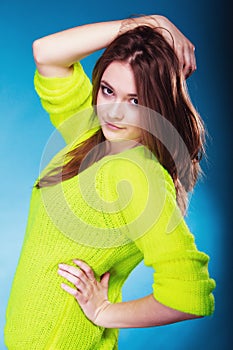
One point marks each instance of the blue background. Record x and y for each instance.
(25, 129)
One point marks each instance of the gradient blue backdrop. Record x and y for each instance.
(25, 129)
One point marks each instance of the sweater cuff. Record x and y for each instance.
(183, 284)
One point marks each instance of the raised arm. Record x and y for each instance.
(55, 54)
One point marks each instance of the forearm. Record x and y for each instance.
(62, 49)
(143, 312)
(92, 296)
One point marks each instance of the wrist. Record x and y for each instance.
(102, 314)
(161, 20)
(152, 21)
(127, 24)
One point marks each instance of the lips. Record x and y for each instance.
(113, 126)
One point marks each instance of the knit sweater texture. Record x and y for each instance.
(112, 215)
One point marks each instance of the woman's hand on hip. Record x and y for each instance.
(91, 295)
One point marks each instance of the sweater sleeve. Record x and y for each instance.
(68, 102)
(146, 198)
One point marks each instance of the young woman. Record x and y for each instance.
(116, 194)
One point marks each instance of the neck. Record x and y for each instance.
(114, 147)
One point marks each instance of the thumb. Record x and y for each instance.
(105, 279)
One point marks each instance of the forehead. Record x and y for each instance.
(120, 76)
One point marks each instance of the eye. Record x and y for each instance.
(106, 90)
(134, 101)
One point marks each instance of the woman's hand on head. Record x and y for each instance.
(183, 47)
(91, 295)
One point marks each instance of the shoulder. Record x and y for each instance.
(137, 174)
(64, 96)
(136, 164)
(134, 184)
(56, 82)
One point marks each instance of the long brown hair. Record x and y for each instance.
(161, 87)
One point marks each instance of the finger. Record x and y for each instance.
(105, 279)
(71, 278)
(74, 271)
(86, 268)
(193, 57)
(74, 292)
(189, 60)
(184, 60)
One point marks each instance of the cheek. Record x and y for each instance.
(134, 130)
(101, 106)
(134, 119)
(136, 125)
(98, 97)
(98, 105)
(138, 132)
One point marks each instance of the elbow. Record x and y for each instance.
(192, 316)
(39, 52)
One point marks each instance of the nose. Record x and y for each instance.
(115, 111)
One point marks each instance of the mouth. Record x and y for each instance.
(113, 126)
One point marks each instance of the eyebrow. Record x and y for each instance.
(108, 85)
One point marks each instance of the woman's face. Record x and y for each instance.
(117, 103)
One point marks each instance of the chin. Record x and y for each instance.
(111, 136)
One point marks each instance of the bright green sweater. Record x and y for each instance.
(108, 223)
